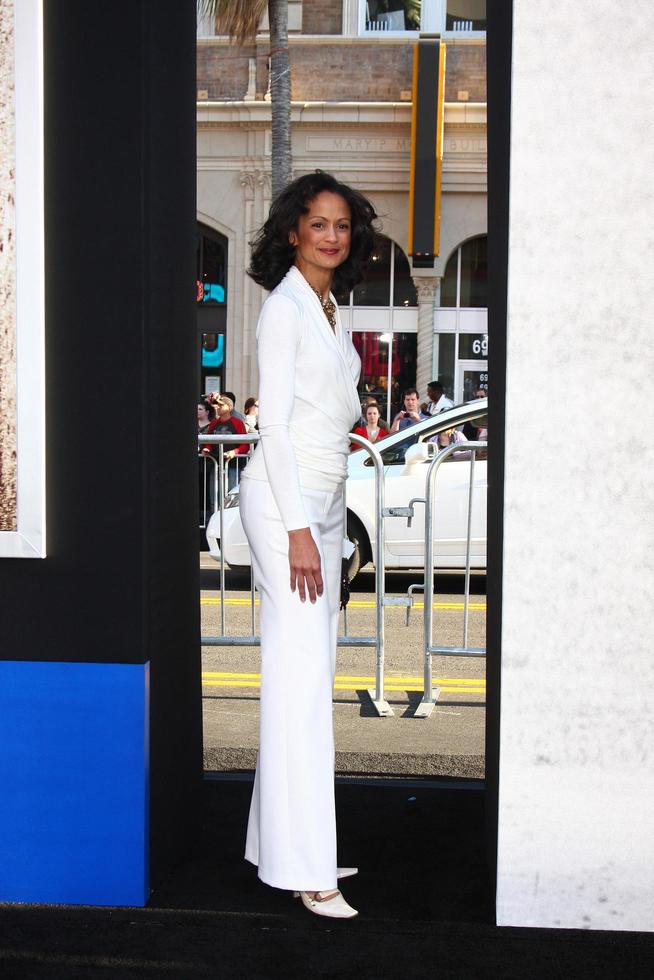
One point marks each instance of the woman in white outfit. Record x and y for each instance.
(319, 236)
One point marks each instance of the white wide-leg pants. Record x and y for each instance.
(292, 826)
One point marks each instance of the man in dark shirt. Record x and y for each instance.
(411, 412)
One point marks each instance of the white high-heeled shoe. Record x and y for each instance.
(346, 872)
(330, 904)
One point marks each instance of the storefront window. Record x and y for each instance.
(213, 350)
(393, 15)
(380, 305)
(444, 357)
(465, 15)
(452, 16)
(211, 264)
(211, 297)
(388, 366)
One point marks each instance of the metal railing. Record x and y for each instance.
(430, 693)
(211, 469)
(375, 641)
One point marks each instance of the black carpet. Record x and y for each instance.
(423, 894)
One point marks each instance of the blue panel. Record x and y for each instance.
(74, 783)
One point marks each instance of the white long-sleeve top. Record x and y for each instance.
(308, 400)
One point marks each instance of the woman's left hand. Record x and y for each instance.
(304, 560)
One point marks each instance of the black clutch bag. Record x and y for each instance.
(345, 583)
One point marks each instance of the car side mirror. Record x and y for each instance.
(420, 452)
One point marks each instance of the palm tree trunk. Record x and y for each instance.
(280, 91)
(240, 19)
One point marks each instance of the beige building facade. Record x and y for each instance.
(409, 325)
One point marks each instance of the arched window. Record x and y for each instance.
(465, 283)
(388, 280)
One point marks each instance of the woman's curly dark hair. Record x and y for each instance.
(272, 253)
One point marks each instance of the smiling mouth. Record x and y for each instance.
(330, 251)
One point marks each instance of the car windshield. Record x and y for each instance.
(395, 453)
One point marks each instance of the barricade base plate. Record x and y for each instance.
(382, 707)
(427, 705)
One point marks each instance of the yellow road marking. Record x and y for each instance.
(343, 682)
(353, 604)
(352, 687)
(357, 678)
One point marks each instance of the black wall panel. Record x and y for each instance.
(499, 116)
(120, 583)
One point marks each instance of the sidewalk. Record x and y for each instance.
(449, 743)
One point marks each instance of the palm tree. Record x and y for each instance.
(240, 20)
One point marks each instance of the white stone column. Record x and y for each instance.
(427, 287)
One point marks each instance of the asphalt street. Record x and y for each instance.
(448, 743)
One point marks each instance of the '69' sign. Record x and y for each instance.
(473, 346)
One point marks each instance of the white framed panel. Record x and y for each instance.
(404, 320)
(28, 538)
(371, 318)
(445, 320)
(473, 320)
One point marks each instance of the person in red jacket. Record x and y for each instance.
(373, 430)
(226, 422)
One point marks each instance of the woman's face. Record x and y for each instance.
(372, 415)
(323, 235)
(203, 415)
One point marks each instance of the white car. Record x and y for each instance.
(404, 479)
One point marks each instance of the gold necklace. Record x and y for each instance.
(328, 308)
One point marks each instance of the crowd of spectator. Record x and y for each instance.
(216, 414)
(371, 426)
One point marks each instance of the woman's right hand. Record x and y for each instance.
(304, 561)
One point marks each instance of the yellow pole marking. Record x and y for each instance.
(353, 604)
(440, 127)
(412, 159)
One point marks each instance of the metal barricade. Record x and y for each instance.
(208, 477)
(220, 488)
(430, 693)
(376, 641)
(211, 470)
